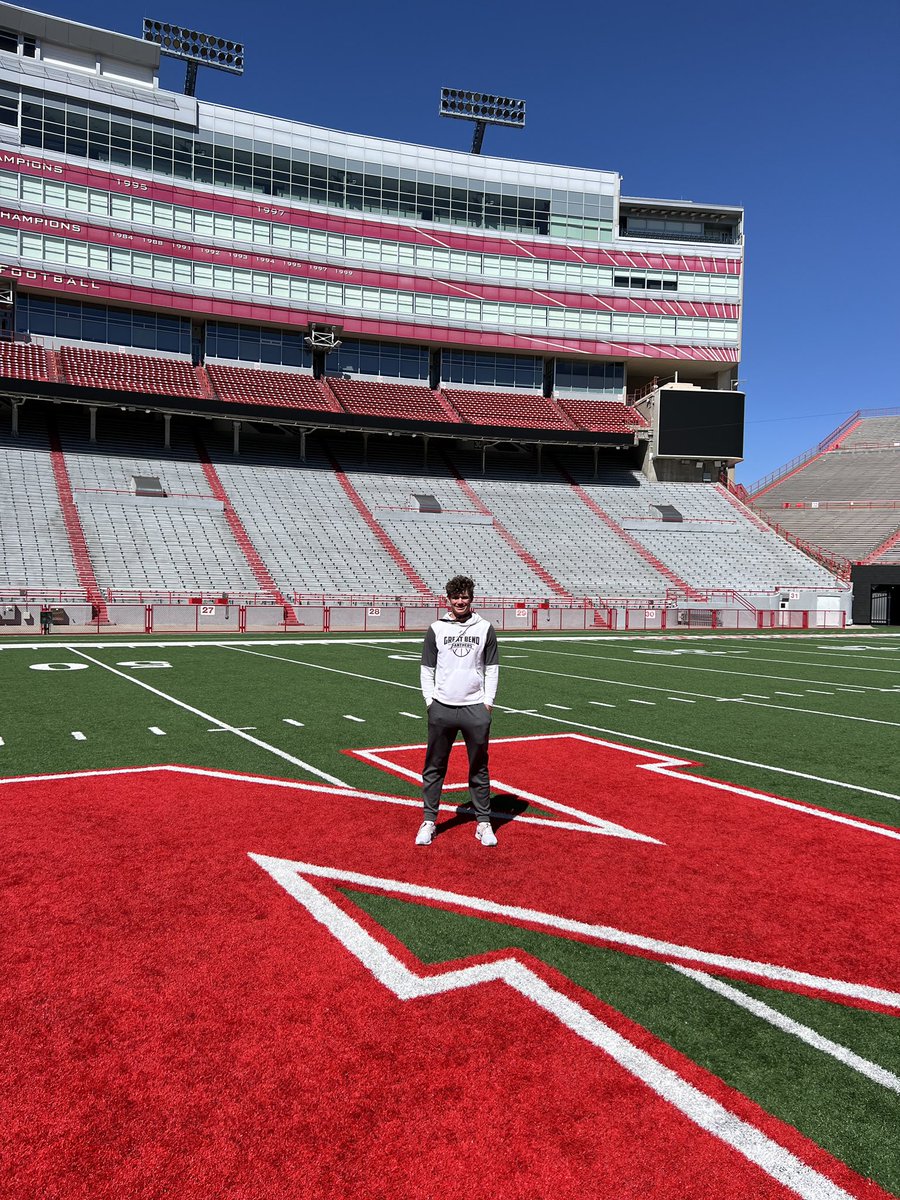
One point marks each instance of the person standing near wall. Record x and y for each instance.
(459, 676)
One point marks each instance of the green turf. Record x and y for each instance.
(319, 685)
(849, 1115)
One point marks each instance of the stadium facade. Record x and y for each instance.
(132, 217)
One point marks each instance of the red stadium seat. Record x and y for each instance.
(603, 416)
(279, 389)
(521, 410)
(393, 400)
(21, 360)
(85, 367)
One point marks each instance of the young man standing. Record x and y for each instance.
(460, 666)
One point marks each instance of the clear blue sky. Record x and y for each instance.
(788, 107)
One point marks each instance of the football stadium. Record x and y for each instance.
(264, 388)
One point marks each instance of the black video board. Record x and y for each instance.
(696, 423)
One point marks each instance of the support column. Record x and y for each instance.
(236, 442)
(425, 450)
(365, 449)
(483, 459)
(167, 430)
(16, 405)
(540, 448)
(93, 434)
(596, 453)
(303, 445)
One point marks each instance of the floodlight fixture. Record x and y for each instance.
(323, 337)
(195, 49)
(482, 108)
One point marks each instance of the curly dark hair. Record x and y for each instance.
(460, 585)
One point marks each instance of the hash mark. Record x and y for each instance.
(78, 736)
(291, 721)
(415, 716)
(156, 729)
(653, 702)
(359, 720)
(681, 700)
(797, 695)
(601, 704)
(561, 707)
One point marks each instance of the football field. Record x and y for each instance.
(228, 972)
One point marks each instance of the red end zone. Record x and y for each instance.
(176, 1024)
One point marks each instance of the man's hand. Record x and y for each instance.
(489, 707)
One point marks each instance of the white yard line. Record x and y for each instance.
(788, 1025)
(812, 712)
(297, 762)
(297, 662)
(675, 662)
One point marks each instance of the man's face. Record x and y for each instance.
(461, 605)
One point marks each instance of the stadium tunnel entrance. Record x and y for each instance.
(876, 594)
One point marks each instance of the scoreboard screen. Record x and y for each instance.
(696, 423)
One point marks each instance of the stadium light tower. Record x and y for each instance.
(483, 109)
(195, 49)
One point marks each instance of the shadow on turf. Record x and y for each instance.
(505, 807)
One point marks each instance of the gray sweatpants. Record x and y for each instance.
(445, 721)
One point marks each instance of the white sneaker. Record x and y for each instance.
(425, 835)
(485, 834)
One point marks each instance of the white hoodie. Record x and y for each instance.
(460, 662)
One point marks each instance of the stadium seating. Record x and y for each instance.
(22, 360)
(302, 522)
(546, 515)
(153, 546)
(360, 529)
(436, 545)
(34, 546)
(182, 542)
(84, 367)
(278, 389)
(873, 431)
(520, 410)
(391, 400)
(602, 416)
(742, 556)
(842, 499)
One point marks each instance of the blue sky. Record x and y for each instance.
(788, 107)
